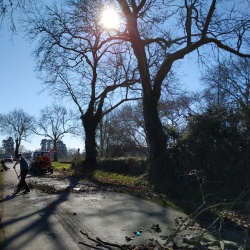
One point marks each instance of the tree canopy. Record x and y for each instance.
(54, 122)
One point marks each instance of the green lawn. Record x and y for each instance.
(61, 166)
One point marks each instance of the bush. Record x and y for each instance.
(125, 165)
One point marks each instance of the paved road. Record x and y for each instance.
(41, 221)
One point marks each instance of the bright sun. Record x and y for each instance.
(110, 19)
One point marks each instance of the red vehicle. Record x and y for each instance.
(45, 166)
(8, 158)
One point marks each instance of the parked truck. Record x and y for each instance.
(44, 166)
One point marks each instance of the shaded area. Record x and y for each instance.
(90, 208)
(41, 224)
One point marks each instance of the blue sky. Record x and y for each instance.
(19, 86)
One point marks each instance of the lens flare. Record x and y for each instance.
(110, 19)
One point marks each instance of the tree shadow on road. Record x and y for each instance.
(40, 220)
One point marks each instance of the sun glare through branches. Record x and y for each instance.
(110, 19)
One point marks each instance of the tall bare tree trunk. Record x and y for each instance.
(101, 151)
(55, 153)
(17, 144)
(90, 125)
(155, 135)
(157, 142)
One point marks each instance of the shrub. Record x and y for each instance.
(124, 165)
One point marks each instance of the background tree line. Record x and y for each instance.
(53, 123)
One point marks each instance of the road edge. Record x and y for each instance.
(2, 233)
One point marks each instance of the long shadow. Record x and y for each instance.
(8, 197)
(43, 223)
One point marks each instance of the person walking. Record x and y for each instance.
(24, 169)
(38, 160)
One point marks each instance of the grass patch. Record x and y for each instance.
(61, 166)
(137, 186)
(120, 179)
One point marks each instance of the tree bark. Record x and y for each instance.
(55, 153)
(157, 140)
(17, 148)
(151, 94)
(90, 125)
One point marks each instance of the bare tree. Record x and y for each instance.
(159, 33)
(228, 83)
(132, 118)
(82, 64)
(8, 8)
(18, 125)
(169, 31)
(54, 123)
(125, 126)
(121, 134)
